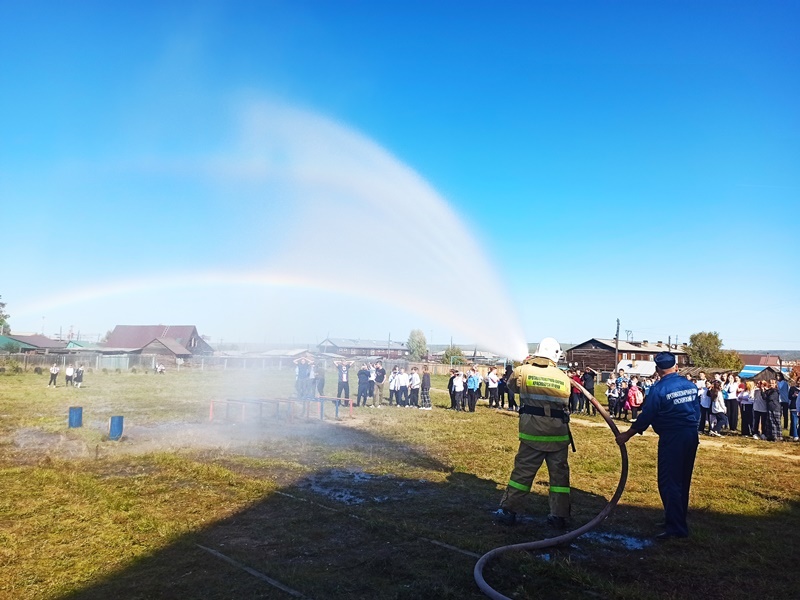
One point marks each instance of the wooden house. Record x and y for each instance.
(600, 354)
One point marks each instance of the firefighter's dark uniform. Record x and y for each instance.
(543, 434)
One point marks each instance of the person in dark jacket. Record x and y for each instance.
(425, 390)
(588, 382)
(363, 385)
(772, 429)
(673, 410)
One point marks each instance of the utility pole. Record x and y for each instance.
(616, 347)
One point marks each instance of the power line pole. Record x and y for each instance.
(616, 347)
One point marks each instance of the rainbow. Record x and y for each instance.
(409, 301)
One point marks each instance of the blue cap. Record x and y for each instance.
(665, 360)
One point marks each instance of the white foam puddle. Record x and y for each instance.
(627, 542)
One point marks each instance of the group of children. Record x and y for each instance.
(626, 394)
(73, 376)
(465, 389)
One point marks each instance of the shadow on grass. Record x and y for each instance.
(347, 533)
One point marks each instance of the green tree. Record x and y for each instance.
(453, 356)
(417, 345)
(705, 350)
(5, 328)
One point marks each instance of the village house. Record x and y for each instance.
(179, 341)
(600, 354)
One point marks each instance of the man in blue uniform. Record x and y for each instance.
(672, 408)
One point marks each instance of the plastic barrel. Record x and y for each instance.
(115, 428)
(75, 416)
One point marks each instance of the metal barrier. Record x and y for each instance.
(240, 407)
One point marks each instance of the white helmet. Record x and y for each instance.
(549, 348)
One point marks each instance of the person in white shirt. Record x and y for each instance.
(401, 382)
(458, 391)
(745, 400)
(68, 374)
(731, 388)
(54, 370)
(414, 383)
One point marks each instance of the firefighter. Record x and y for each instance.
(543, 434)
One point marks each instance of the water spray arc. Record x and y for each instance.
(567, 537)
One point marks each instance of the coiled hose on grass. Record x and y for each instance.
(567, 537)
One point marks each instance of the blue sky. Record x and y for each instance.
(632, 160)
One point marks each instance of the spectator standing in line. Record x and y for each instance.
(705, 403)
(303, 381)
(621, 377)
(587, 379)
(783, 394)
(414, 384)
(623, 406)
(512, 401)
(745, 399)
(380, 379)
(759, 412)
(343, 378)
(474, 381)
(719, 409)
(451, 389)
(458, 391)
(54, 371)
(635, 398)
(794, 393)
(732, 402)
(371, 390)
(425, 389)
(502, 391)
(612, 395)
(774, 433)
(78, 376)
(401, 395)
(393, 385)
(491, 382)
(69, 373)
(580, 399)
(363, 385)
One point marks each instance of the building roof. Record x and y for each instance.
(645, 368)
(749, 371)
(363, 344)
(644, 347)
(171, 345)
(765, 360)
(138, 336)
(38, 341)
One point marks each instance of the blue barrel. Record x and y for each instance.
(115, 428)
(75, 416)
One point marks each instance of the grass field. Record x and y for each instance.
(392, 503)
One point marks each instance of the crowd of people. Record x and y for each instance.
(761, 410)
(728, 405)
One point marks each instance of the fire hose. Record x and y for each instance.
(569, 536)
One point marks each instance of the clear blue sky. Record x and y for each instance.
(637, 160)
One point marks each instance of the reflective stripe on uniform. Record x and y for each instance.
(543, 438)
(518, 486)
(543, 397)
(559, 489)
